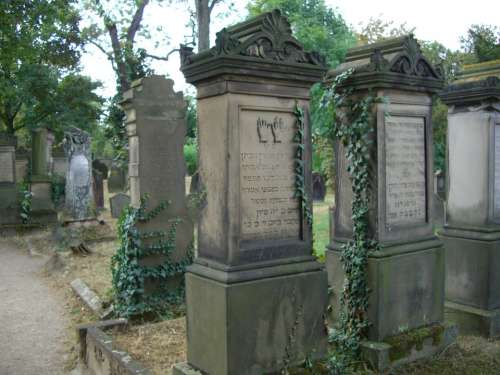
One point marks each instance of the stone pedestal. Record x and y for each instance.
(472, 234)
(8, 191)
(406, 275)
(256, 297)
(40, 183)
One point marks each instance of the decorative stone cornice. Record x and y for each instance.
(395, 63)
(261, 46)
(477, 83)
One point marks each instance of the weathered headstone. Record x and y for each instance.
(99, 174)
(22, 164)
(8, 190)
(78, 193)
(156, 127)
(472, 232)
(59, 162)
(117, 180)
(118, 202)
(255, 295)
(406, 274)
(319, 187)
(40, 181)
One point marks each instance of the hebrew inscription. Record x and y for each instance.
(6, 167)
(269, 209)
(405, 171)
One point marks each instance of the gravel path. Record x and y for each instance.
(31, 317)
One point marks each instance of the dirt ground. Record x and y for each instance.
(32, 316)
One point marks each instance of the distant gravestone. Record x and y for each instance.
(156, 127)
(79, 195)
(117, 203)
(319, 187)
(40, 182)
(8, 191)
(117, 180)
(99, 173)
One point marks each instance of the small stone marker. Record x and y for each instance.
(472, 232)
(8, 189)
(41, 183)
(117, 180)
(91, 299)
(319, 187)
(118, 202)
(79, 194)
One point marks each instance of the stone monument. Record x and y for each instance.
(8, 189)
(472, 234)
(118, 203)
(318, 187)
(79, 202)
(40, 181)
(156, 127)
(406, 275)
(256, 297)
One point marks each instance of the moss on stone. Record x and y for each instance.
(404, 343)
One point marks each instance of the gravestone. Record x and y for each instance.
(406, 274)
(22, 164)
(40, 181)
(79, 203)
(118, 202)
(8, 189)
(156, 127)
(99, 174)
(59, 162)
(319, 187)
(117, 180)
(255, 294)
(472, 232)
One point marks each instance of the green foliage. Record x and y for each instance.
(352, 128)
(39, 41)
(25, 198)
(58, 188)
(191, 156)
(377, 29)
(130, 276)
(300, 190)
(482, 42)
(191, 117)
(440, 126)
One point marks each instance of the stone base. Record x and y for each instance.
(42, 207)
(406, 283)
(9, 211)
(474, 321)
(472, 277)
(255, 327)
(408, 347)
(44, 216)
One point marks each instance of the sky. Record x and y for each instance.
(441, 20)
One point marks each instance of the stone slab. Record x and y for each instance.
(254, 327)
(90, 298)
(474, 321)
(472, 267)
(9, 210)
(407, 288)
(118, 202)
(378, 354)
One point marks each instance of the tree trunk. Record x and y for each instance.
(203, 19)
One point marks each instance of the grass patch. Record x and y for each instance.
(321, 225)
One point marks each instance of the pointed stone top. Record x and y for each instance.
(395, 62)
(260, 46)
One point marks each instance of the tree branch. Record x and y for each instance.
(136, 21)
(212, 5)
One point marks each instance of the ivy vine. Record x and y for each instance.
(352, 127)
(25, 200)
(300, 190)
(129, 275)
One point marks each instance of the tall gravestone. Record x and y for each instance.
(156, 127)
(40, 181)
(8, 190)
(406, 275)
(472, 234)
(79, 202)
(255, 294)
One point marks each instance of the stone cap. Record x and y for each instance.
(392, 63)
(262, 47)
(8, 140)
(476, 83)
